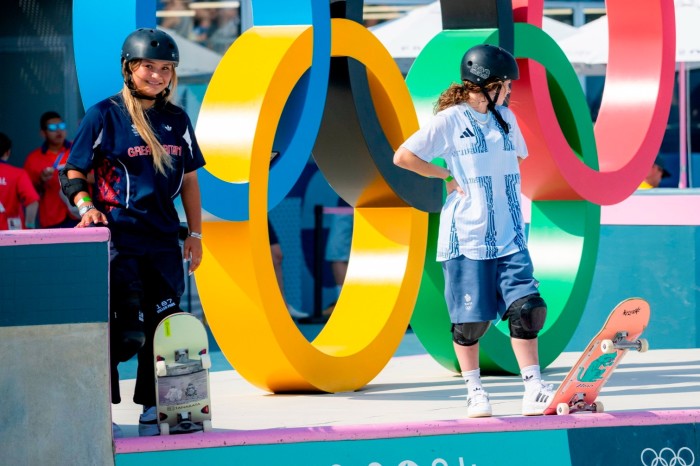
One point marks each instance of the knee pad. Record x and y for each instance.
(129, 343)
(127, 329)
(126, 311)
(526, 317)
(468, 334)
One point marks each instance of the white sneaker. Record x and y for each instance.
(478, 404)
(148, 422)
(536, 399)
(297, 314)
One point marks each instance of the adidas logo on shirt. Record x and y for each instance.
(467, 133)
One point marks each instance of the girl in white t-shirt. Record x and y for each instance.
(481, 240)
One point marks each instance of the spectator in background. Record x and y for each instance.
(175, 17)
(228, 27)
(656, 173)
(203, 25)
(276, 250)
(338, 251)
(16, 192)
(42, 166)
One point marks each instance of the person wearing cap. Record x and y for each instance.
(656, 173)
(481, 239)
(144, 154)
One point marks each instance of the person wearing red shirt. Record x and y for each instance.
(42, 165)
(16, 192)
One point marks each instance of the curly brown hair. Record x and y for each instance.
(459, 93)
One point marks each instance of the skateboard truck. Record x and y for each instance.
(578, 404)
(620, 342)
(182, 355)
(183, 364)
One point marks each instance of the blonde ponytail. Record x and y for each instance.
(161, 159)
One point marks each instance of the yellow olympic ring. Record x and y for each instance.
(239, 292)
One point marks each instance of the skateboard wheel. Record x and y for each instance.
(161, 369)
(562, 408)
(206, 425)
(643, 345)
(598, 407)
(164, 428)
(607, 346)
(206, 361)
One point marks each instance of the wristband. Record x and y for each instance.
(82, 201)
(85, 209)
(449, 178)
(195, 235)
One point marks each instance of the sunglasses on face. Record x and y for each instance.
(56, 126)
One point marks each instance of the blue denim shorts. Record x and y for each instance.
(481, 290)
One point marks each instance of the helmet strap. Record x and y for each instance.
(492, 108)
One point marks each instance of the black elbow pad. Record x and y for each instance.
(71, 187)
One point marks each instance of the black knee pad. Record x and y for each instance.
(468, 334)
(526, 317)
(127, 328)
(129, 343)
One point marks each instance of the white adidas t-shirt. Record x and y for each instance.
(486, 222)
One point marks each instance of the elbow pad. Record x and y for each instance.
(71, 187)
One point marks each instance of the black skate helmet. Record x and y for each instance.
(484, 64)
(151, 44)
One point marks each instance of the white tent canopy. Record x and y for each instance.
(587, 49)
(405, 37)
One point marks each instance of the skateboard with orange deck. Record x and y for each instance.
(583, 383)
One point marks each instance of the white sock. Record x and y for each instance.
(473, 380)
(531, 376)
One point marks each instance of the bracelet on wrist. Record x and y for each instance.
(194, 234)
(82, 201)
(449, 178)
(85, 209)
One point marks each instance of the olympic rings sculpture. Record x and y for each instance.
(311, 77)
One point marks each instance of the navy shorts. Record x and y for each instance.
(481, 290)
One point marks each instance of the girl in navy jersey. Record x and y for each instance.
(144, 154)
(481, 240)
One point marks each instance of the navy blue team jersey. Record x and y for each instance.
(128, 190)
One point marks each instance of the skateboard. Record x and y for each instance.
(583, 383)
(182, 362)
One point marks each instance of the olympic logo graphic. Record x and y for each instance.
(309, 77)
(668, 457)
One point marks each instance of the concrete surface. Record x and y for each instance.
(53, 399)
(414, 388)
